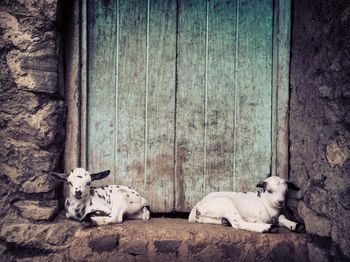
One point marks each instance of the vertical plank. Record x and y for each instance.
(132, 93)
(83, 85)
(220, 109)
(72, 92)
(101, 86)
(281, 53)
(190, 115)
(161, 105)
(253, 93)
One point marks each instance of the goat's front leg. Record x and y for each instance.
(144, 214)
(116, 216)
(292, 226)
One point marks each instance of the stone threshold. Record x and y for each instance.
(159, 239)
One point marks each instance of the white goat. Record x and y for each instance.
(254, 211)
(113, 202)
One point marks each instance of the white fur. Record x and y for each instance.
(114, 202)
(254, 211)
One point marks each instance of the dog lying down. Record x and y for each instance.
(253, 211)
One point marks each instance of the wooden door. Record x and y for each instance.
(180, 98)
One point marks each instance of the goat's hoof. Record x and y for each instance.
(86, 223)
(300, 228)
(225, 222)
(272, 229)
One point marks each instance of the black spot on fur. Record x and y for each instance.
(131, 202)
(104, 198)
(127, 195)
(77, 210)
(132, 192)
(83, 210)
(99, 195)
(67, 203)
(259, 193)
(137, 195)
(244, 192)
(90, 202)
(110, 191)
(78, 215)
(118, 186)
(92, 192)
(80, 176)
(198, 214)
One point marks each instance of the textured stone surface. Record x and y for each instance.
(37, 210)
(319, 124)
(38, 184)
(315, 223)
(32, 111)
(155, 240)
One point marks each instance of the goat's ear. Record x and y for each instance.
(292, 186)
(58, 176)
(100, 175)
(262, 184)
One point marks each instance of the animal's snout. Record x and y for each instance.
(78, 194)
(281, 202)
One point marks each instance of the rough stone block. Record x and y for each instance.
(231, 250)
(337, 151)
(38, 184)
(317, 254)
(167, 246)
(134, 247)
(325, 91)
(315, 224)
(106, 243)
(37, 210)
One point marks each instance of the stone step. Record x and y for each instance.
(177, 240)
(166, 239)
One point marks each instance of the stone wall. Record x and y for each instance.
(320, 123)
(32, 109)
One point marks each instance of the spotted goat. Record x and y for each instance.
(100, 205)
(253, 211)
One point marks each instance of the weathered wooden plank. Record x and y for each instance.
(83, 85)
(131, 106)
(220, 95)
(72, 94)
(281, 53)
(161, 105)
(253, 93)
(190, 115)
(101, 86)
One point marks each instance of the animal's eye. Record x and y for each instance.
(270, 191)
(88, 183)
(70, 183)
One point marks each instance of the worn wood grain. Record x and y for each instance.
(253, 93)
(72, 94)
(131, 101)
(159, 173)
(281, 52)
(184, 97)
(220, 96)
(101, 87)
(190, 115)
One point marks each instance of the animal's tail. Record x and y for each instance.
(192, 216)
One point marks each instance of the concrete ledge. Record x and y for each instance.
(172, 240)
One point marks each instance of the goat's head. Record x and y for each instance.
(275, 189)
(79, 181)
